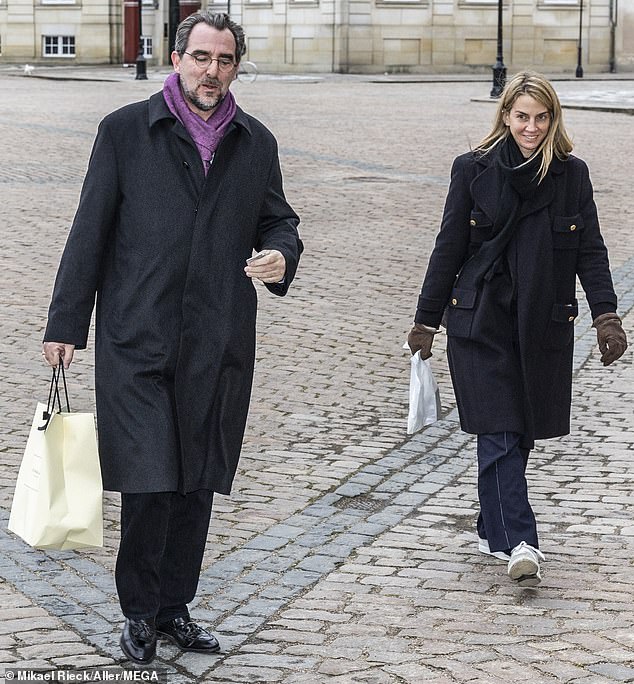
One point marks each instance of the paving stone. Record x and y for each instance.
(7, 657)
(414, 673)
(320, 564)
(52, 650)
(21, 625)
(34, 664)
(340, 666)
(273, 661)
(82, 661)
(227, 673)
(243, 624)
(268, 543)
(614, 671)
(291, 636)
(321, 615)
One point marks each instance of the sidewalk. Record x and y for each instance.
(608, 92)
(347, 551)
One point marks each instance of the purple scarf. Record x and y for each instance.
(206, 134)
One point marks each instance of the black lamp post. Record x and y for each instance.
(613, 19)
(499, 70)
(141, 74)
(579, 72)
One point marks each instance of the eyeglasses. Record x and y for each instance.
(203, 60)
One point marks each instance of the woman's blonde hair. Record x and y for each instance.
(556, 143)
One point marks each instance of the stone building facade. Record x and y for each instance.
(343, 36)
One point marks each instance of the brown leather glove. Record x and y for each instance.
(610, 336)
(421, 337)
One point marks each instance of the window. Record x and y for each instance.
(146, 41)
(58, 46)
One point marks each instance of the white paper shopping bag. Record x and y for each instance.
(57, 502)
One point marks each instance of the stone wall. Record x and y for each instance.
(353, 36)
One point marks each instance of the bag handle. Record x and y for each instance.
(53, 395)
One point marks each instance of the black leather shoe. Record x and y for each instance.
(188, 636)
(138, 641)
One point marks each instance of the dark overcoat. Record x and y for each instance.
(163, 248)
(510, 340)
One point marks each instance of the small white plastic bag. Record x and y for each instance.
(424, 397)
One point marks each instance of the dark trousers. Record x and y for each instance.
(163, 538)
(506, 517)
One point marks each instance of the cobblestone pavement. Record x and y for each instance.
(347, 551)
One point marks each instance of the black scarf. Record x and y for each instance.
(519, 183)
(519, 174)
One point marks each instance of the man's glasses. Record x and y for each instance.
(203, 60)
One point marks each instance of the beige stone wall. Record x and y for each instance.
(357, 36)
(624, 41)
(373, 36)
(16, 29)
(95, 24)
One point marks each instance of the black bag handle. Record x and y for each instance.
(53, 395)
(61, 368)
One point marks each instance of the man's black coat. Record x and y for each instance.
(163, 247)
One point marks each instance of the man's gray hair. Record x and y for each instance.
(218, 20)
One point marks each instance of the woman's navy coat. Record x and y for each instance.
(514, 372)
(164, 248)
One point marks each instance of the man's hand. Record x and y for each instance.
(610, 336)
(269, 266)
(420, 338)
(53, 351)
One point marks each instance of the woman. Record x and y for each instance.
(519, 225)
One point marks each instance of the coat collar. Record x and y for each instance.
(486, 188)
(158, 110)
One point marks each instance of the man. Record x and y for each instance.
(180, 190)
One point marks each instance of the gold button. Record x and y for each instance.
(573, 227)
(472, 222)
(571, 318)
(454, 301)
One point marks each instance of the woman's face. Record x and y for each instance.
(528, 121)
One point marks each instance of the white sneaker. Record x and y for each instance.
(483, 547)
(524, 565)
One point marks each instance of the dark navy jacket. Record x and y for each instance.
(510, 342)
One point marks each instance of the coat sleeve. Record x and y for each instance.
(593, 266)
(78, 274)
(277, 227)
(452, 243)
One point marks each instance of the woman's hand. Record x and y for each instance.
(421, 338)
(610, 336)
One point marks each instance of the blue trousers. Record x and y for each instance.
(506, 517)
(163, 537)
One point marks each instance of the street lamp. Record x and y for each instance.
(141, 74)
(579, 72)
(499, 70)
(613, 20)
